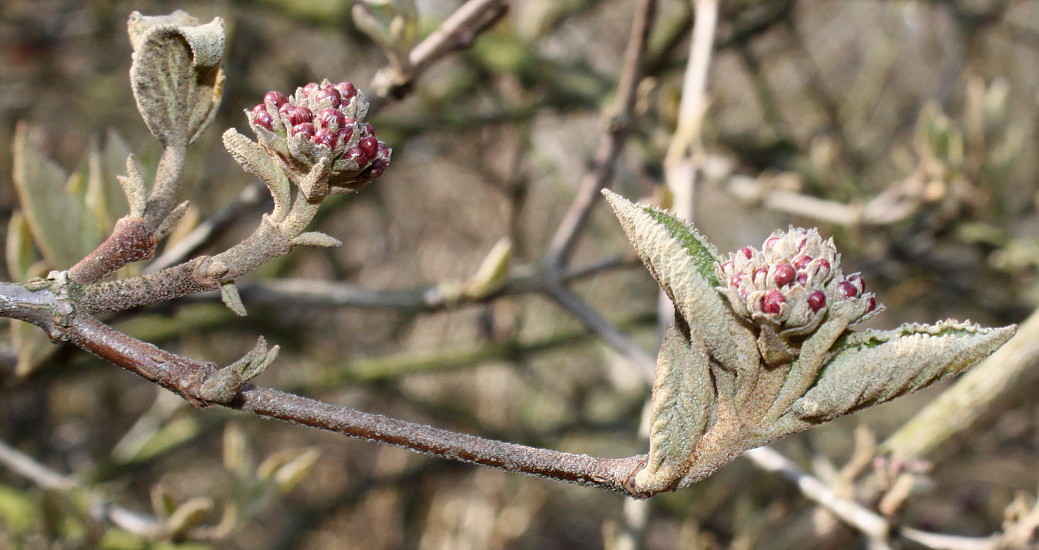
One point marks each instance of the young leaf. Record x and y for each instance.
(683, 400)
(682, 262)
(873, 367)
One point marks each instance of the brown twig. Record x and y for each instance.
(618, 124)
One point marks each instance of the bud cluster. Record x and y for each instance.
(793, 282)
(321, 121)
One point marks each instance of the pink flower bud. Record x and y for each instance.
(331, 118)
(369, 145)
(264, 119)
(746, 251)
(772, 302)
(346, 90)
(847, 289)
(275, 98)
(305, 128)
(801, 262)
(784, 274)
(858, 281)
(357, 154)
(344, 135)
(325, 137)
(376, 169)
(298, 115)
(816, 300)
(327, 95)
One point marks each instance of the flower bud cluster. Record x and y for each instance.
(321, 121)
(793, 282)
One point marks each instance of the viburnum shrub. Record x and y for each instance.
(763, 345)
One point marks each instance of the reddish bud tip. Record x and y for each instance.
(331, 118)
(376, 169)
(735, 280)
(328, 95)
(802, 277)
(872, 304)
(384, 151)
(816, 300)
(358, 155)
(847, 289)
(325, 137)
(746, 251)
(824, 267)
(801, 262)
(346, 90)
(858, 281)
(369, 145)
(344, 135)
(305, 128)
(275, 98)
(262, 118)
(784, 274)
(772, 302)
(297, 115)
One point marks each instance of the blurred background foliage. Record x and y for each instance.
(918, 117)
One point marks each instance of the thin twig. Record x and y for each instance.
(868, 522)
(429, 298)
(101, 508)
(605, 330)
(852, 513)
(618, 125)
(457, 32)
(250, 197)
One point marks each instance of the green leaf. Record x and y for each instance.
(51, 211)
(873, 367)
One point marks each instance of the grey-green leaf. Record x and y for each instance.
(682, 262)
(176, 75)
(683, 401)
(873, 367)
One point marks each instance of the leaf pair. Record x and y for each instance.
(728, 382)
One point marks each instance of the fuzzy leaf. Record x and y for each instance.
(176, 75)
(258, 162)
(873, 367)
(493, 271)
(316, 238)
(286, 468)
(683, 400)
(682, 261)
(53, 214)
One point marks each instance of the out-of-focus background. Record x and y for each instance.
(918, 118)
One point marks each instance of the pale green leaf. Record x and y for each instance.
(682, 404)
(872, 367)
(682, 263)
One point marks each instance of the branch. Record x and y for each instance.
(101, 508)
(618, 125)
(457, 32)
